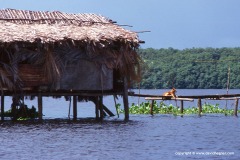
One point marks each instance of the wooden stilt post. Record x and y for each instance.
(125, 98)
(2, 108)
(100, 98)
(74, 108)
(236, 108)
(115, 102)
(151, 107)
(96, 108)
(199, 106)
(15, 101)
(40, 107)
(181, 107)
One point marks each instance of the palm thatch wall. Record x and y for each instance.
(43, 48)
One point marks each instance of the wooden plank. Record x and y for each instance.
(63, 93)
(233, 98)
(188, 96)
(170, 98)
(143, 95)
(211, 96)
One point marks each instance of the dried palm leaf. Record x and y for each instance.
(9, 71)
(5, 81)
(53, 67)
(14, 62)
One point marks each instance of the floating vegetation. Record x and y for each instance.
(22, 113)
(162, 108)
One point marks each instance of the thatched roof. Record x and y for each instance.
(53, 39)
(29, 26)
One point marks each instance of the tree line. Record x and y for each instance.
(195, 68)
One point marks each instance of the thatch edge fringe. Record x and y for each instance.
(123, 58)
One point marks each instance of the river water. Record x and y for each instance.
(212, 136)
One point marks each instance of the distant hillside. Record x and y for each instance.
(196, 68)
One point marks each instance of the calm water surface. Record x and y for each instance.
(144, 137)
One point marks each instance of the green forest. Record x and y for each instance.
(195, 68)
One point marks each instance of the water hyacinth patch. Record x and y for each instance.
(162, 108)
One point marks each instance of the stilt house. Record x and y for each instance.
(63, 54)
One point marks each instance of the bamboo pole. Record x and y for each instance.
(74, 108)
(236, 108)
(125, 98)
(2, 108)
(199, 106)
(40, 107)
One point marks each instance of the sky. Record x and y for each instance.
(179, 24)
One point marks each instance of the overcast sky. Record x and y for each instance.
(173, 23)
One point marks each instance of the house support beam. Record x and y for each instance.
(74, 108)
(100, 101)
(2, 108)
(125, 98)
(96, 107)
(40, 107)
